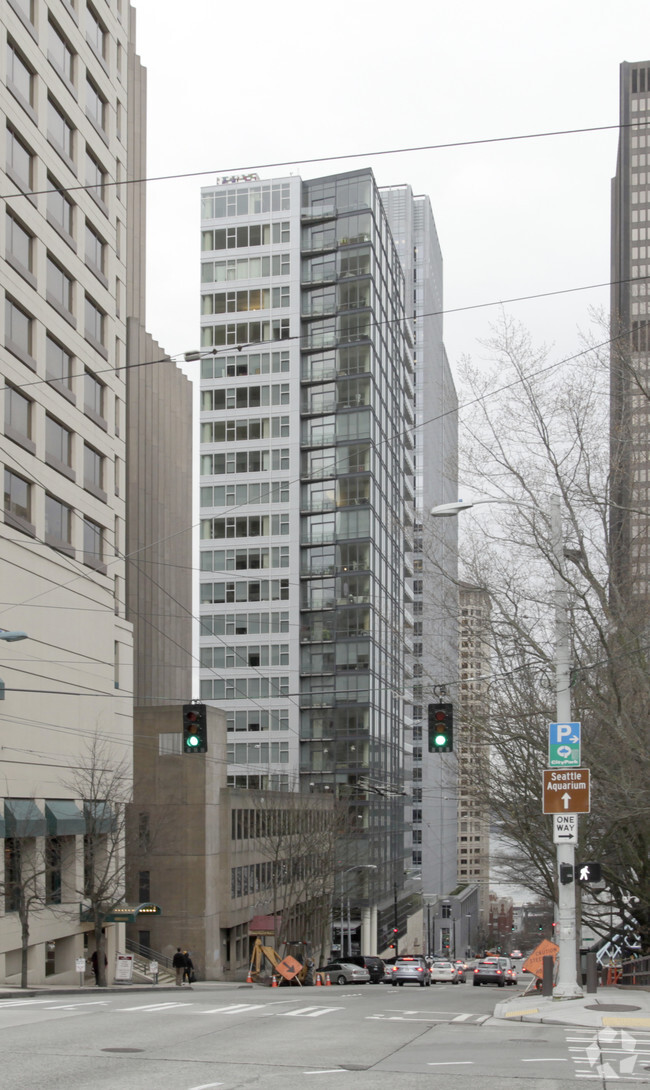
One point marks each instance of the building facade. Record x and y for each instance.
(72, 94)
(630, 345)
(307, 470)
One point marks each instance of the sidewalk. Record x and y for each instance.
(9, 992)
(614, 1008)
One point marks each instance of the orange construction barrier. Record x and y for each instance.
(274, 981)
(319, 982)
(328, 982)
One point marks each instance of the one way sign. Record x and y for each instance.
(565, 828)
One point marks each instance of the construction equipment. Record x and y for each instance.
(293, 965)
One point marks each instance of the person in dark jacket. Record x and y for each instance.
(178, 964)
(188, 968)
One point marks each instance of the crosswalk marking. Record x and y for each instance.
(309, 1012)
(148, 1007)
(461, 1017)
(235, 1008)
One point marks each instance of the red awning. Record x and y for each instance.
(264, 925)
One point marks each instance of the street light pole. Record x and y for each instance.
(567, 985)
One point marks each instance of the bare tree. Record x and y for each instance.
(103, 783)
(24, 888)
(537, 428)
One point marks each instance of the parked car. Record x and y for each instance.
(488, 971)
(343, 972)
(443, 972)
(374, 965)
(410, 969)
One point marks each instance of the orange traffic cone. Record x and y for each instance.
(328, 982)
(249, 978)
(319, 982)
(274, 982)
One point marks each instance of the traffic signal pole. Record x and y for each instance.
(566, 931)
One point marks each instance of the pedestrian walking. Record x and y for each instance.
(178, 963)
(188, 968)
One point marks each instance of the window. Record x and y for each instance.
(59, 130)
(96, 32)
(59, 286)
(18, 499)
(19, 245)
(95, 177)
(93, 396)
(144, 886)
(95, 250)
(59, 209)
(20, 78)
(93, 470)
(94, 322)
(20, 162)
(18, 332)
(58, 524)
(53, 865)
(18, 415)
(58, 443)
(12, 874)
(58, 363)
(60, 53)
(93, 544)
(95, 105)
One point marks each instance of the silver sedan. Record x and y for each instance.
(343, 972)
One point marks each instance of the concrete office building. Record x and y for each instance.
(72, 104)
(307, 471)
(630, 348)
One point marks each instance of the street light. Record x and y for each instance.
(12, 637)
(566, 986)
(356, 866)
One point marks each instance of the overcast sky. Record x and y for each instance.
(233, 86)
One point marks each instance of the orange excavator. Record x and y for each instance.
(293, 966)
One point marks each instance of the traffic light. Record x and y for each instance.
(195, 729)
(513, 928)
(566, 874)
(540, 927)
(441, 728)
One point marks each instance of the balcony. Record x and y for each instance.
(317, 213)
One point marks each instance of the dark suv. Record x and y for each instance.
(374, 965)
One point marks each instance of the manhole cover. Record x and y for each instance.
(122, 1050)
(611, 1007)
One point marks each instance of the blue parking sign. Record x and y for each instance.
(564, 745)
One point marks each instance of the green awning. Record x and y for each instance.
(23, 818)
(63, 818)
(99, 817)
(129, 913)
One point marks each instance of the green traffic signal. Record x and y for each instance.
(441, 728)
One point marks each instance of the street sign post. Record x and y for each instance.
(564, 745)
(566, 791)
(565, 828)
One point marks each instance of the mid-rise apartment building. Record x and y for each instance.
(630, 346)
(308, 501)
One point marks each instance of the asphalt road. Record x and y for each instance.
(348, 1038)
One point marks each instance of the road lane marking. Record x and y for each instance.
(309, 1012)
(206, 1085)
(235, 1008)
(148, 1007)
(461, 1017)
(328, 1071)
(546, 1060)
(448, 1063)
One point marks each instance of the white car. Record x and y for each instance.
(443, 972)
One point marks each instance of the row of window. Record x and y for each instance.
(20, 251)
(253, 234)
(256, 719)
(240, 431)
(59, 441)
(246, 200)
(245, 397)
(264, 654)
(245, 461)
(259, 590)
(59, 520)
(231, 302)
(242, 624)
(245, 333)
(244, 688)
(255, 878)
(228, 495)
(254, 363)
(245, 268)
(21, 160)
(222, 560)
(247, 526)
(258, 824)
(20, 337)
(258, 753)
